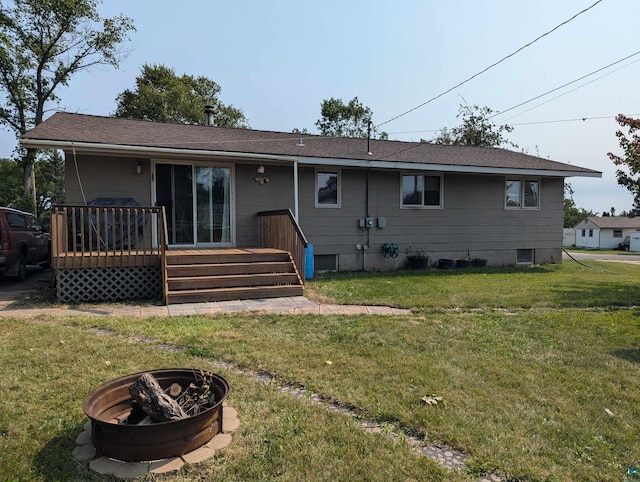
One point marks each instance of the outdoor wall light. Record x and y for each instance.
(139, 167)
(261, 178)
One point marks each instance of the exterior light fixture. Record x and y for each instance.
(139, 167)
(261, 178)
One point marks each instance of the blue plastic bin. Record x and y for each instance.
(308, 267)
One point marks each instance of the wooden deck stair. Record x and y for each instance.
(229, 274)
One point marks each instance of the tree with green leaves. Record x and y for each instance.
(43, 44)
(10, 182)
(476, 129)
(572, 213)
(346, 120)
(162, 96)
(49, 174)
(628, 173)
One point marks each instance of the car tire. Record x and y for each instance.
(22, 268)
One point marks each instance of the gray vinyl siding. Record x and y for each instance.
(472, 221)
(103, 176)
(252, 198)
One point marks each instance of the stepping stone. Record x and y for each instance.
(83, 453)
(219, 442)
(131, 470)
(105, 465)
(166, 466)
(83, 438)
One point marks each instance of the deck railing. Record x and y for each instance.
(107, 236)
(280, 230)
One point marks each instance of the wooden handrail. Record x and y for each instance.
(107, 236)
(163, 258)
(280, 230)
(279, 212)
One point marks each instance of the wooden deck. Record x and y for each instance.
(90, 237)
(106, 259)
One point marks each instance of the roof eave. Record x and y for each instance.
(413, 166)
(100, 148)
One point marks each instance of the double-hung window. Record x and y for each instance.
(522, 193)
(421, 191)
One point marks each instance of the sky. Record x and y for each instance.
(277, 60)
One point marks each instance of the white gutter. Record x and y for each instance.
(295, 191)
(318, 161)
(113, 148)
(416, 166)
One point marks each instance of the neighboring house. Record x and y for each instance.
(605, 232)
(350, 197)
(568, 237)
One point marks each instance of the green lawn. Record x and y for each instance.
(553, 286)
(538, 368)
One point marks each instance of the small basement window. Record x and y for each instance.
(325, 262)
(524, 256)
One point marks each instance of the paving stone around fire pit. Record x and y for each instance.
(85, 452)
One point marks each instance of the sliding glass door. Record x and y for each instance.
(213, 204)
(197, 201)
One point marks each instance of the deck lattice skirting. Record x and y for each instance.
(109, 284)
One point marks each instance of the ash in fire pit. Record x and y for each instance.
(187, 422)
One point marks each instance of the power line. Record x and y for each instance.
(575, 119)
(491, 66)
(583, 119)
(564, 85)
(572, 90)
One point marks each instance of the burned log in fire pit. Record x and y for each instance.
(200, 397)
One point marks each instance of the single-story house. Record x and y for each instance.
(361, 204)
(605, 232)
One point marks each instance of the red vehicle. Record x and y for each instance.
(22, 243)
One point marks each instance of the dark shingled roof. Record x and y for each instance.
(80, 128)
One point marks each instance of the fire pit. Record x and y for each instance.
(110, 404)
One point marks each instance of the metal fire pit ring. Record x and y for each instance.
(108, 404)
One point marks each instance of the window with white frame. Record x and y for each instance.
(328, 188)
(591, 233)
(522, 193)
(421, 191)
(584, 233)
